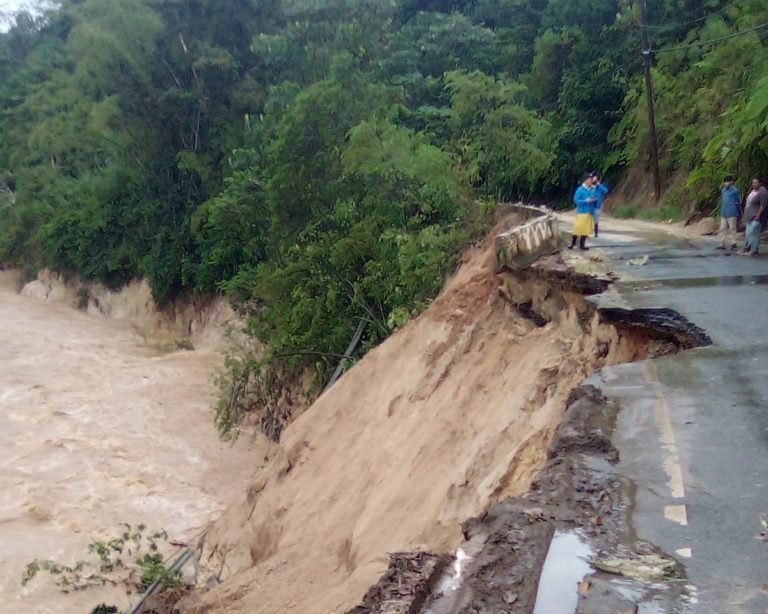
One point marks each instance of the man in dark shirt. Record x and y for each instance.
(755, 217)
(729, 212)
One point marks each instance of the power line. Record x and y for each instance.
(665, 26)
(648, 55)
(669, 26)
(709, 42)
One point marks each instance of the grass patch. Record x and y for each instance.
(659, 213)
(626, 210)
(662, 213)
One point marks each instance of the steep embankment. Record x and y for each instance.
(192, 320)
(450, 414)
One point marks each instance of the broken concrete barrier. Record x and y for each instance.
(537, 236)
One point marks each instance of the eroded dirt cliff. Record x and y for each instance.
(450, 415)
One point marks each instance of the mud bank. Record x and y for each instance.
(191, 321)
(451, 415)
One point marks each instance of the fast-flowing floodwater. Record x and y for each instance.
(97, 429)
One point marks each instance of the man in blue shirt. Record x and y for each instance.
(601, 190)
(729, 212)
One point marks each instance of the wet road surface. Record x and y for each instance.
(692, 429)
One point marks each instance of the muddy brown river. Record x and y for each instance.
(98, 429)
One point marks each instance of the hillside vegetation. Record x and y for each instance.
(325, 161)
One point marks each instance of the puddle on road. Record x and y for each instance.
(565, 566)
(649, 601)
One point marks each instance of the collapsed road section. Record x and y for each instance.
(450, 417)
(498, 566)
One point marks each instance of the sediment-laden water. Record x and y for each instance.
(98, 429)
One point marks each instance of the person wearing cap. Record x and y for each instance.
(730, 199)
(601, 190)
(584, 198)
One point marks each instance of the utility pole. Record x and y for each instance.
(647, 62)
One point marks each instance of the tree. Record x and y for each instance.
(504, 147)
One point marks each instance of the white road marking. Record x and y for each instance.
(671, 460)
(676, 513)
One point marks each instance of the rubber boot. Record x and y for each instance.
(597, 229)
(573, 242)
(582, 243)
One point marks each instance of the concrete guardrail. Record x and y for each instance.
(538, 236)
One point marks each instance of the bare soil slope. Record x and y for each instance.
(449, 415)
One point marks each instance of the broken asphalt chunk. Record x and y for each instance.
(644, 568)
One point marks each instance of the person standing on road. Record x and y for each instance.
(584, 198)
(755, 217)
(729, 212)
(601, 190)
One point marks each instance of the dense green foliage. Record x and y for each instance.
(319, 160)
(711, 102)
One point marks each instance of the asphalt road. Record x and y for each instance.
(692, 429)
